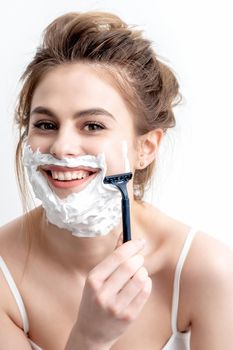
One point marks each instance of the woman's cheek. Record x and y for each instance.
(117, 161)
(32, 142)
(35, 143)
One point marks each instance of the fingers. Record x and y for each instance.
(119, 241)
(128, 303)
(104, 269)
(135, 307)
(117, 289)
(127, 270)
(134, 286)
(120, 290)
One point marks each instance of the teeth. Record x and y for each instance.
(69, 175)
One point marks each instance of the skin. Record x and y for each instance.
(97, 293)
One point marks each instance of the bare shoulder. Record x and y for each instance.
(11, 251)
(207, 277)
(7, 231)
(9, 234)
(209, 260)
(206, 283)
(12, 335)
(13, 235)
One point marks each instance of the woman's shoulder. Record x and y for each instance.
(15, 242)
(173, 233)
(206, 280)
(208, 263)
(208, 260)
(12, 253)
(209, 267)
(206, 284)
(208, 253)
(9, 233)
(14, 233)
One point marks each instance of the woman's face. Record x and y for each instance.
(74, 112)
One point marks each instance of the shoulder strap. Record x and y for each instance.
(16, 294)
(176, 284)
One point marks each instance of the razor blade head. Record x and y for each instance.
(118, 178)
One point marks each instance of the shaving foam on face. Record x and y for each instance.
(92, 212)
(125, 156)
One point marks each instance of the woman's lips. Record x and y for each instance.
(87, 173)
(67, 169)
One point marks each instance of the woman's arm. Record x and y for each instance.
(78, 341)
(212, 298)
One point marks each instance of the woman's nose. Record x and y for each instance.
(66, 144)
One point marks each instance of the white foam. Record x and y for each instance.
(94, 211)
(125, 156)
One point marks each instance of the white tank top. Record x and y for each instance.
(177, 341)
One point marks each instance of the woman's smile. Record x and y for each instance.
(66, 177)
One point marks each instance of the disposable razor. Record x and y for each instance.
(120, 181)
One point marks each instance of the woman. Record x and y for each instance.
(96, 101)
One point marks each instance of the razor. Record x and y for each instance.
(120, 181)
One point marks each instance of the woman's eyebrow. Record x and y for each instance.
(78, 114)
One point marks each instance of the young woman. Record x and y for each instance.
(96, 101)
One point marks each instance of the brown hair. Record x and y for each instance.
(148, 86)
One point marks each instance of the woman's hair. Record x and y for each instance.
(148, 86)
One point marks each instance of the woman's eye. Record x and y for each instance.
(45, 126)
(94, 126)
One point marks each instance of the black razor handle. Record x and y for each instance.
(126, 219)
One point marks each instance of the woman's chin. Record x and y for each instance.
(61, 193)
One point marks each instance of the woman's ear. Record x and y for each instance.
(147, 147)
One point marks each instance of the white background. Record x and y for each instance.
(194, 177)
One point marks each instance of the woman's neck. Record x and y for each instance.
(77, 253)
(81, 254)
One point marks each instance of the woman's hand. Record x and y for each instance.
(114, 294)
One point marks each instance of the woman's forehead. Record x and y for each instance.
(78, 86)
